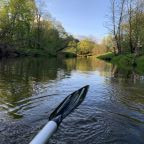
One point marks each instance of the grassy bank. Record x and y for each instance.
(125, 61)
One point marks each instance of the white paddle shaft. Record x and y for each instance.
(43, 136)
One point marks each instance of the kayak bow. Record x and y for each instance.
(71, 102)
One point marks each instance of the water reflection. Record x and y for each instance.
(24, 78)
(127, 75)
(88, 65)
(30, 88)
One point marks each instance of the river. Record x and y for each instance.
(30, 89)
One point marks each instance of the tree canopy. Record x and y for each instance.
(127, 19)
(26, 28)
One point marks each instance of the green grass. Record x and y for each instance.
(140, 64)
(107, 56)
(121, 60)
(125, 61)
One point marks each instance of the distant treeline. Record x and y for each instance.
(127, 26)
(26, 29)
(89, 47)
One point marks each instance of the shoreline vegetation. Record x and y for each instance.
(125, 61)
(27, 29)
(127, 30)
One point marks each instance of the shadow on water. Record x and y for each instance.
(23, 78)
(30, 88)
(126, 74)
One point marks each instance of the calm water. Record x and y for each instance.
(112, 113)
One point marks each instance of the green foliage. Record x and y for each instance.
(140, 64)
(16, 19)
(128, 26)
(121, 60)
(85, 47)
(24, 26)
(69, 54)
(107, 56)
(107, 43)
(125, 61)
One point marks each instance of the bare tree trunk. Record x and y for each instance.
(114, 24)
(117, 25)
(38, 16)
(138, 16)
(120, 24)
(130, 26)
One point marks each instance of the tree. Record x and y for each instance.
(107, 44)
(117, 8)
(85, 47)
(17, 18)
(127, 25)
(27, 26)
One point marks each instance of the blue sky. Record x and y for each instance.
(81, 17)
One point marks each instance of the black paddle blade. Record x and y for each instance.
(71, 102)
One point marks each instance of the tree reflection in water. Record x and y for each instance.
(23, 79)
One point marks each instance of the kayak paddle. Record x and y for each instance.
(71, 102)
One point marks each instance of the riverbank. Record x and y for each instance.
(12, 51)
(125, 61)
(35, 53)
(32, 52)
